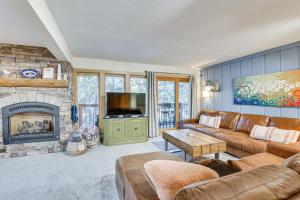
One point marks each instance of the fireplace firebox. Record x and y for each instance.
(30, 122)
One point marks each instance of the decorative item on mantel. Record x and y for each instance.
(58, 72)
(29, 73)
(48, 73)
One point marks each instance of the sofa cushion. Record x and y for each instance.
(229, 119)
(209, 113)
(285, 123)
(263, 183)
(257, 160)
(247, 121)
(242, 141)
(293, 162)
(168, 177)
(208, 130)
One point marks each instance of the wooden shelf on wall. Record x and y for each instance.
(22, 82)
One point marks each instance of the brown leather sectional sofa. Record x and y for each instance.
(235, 129)
(264, 182)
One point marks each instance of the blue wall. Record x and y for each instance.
(274, 60)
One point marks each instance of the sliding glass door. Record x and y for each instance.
(166, 91)
(184, 100)
(174, 101)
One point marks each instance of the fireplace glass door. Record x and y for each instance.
(31, 124)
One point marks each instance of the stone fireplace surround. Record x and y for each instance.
(14, 58)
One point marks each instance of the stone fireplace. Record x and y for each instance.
(30, 122)
(33, 120)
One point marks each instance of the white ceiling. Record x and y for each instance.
(184, 33)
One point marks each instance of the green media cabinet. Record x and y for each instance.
(125, 130)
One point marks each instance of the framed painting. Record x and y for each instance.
(280, 89)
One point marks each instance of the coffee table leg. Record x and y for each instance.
(217, 156)
(184, 156)
(166, 145)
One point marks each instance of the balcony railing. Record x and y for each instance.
(167, 114)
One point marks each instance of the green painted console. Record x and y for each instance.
(125, 130)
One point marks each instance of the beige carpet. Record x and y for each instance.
(58, 176)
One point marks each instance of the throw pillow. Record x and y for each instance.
(274, 134)
(168, 176)
(209, 121)
(260, 132)
(284, 136)
(293, 162)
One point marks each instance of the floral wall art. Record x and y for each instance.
(278, 89)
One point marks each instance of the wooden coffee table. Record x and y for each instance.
(193, 143)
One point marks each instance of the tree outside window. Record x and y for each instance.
(114, 84)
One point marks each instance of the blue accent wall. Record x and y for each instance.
(274, 60)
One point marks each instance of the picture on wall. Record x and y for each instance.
(280, 89)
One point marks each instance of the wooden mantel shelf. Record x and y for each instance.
(22, 82)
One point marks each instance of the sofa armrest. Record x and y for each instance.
(188, 121)
(283, 150)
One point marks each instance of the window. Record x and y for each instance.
(88, 100)
(114, 83)
(138, 84)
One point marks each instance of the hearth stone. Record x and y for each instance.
(29, 149)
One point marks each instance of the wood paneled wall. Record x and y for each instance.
(275, 60)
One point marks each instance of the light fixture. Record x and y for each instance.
(205, 94)
(210, 86)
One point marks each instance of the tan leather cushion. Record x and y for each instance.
(168, 176)
(209, 113)
(264, 183)
(293, 162)
(229, 119)
(130, 175)
(247, 121)
(242, 141)
(283, 150)
(257, 160)
(285, 123)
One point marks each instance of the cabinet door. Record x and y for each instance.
(118, 131)
(136, 129)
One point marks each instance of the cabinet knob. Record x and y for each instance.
(118, 129)
(136, 128)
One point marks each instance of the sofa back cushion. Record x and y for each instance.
(247, 121)
(267, 182)
(285, 123)
(229, 119)
(211, 113)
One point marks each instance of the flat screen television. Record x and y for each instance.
(125, 104)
